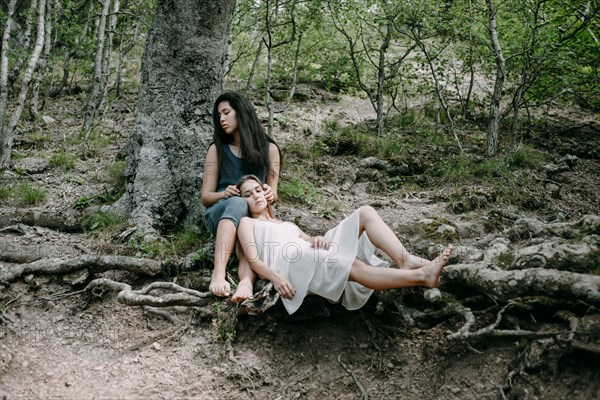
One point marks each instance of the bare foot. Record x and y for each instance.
(243, 292)
(218, 285)
(433, 270)
(414, 262)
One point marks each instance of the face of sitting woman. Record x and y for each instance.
(253, 193)
(227, 117)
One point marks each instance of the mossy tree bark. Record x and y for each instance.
(182, 74)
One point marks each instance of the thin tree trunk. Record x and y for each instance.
(69, 53)
(250, 83)
(438, 90)
(268, 102)
(270, 46)
(467, 100)
(295, 71)
(16, 70)
(4, 73)
(96, 92)
(112, 25)
(8, 134)
(380, 98)
(492, 145)
(119, 77)
(123, 50)
(41, 73)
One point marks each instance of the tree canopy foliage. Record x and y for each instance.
(396, 53)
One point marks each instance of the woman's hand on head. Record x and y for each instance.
(231, 191)
(319, 242)
(269, 195)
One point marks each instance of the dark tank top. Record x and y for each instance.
(233, 169)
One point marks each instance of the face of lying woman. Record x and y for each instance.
(253, 193)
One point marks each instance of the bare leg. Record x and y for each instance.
(226, 236)
(391, 278)
(385, 239)
(245, 288)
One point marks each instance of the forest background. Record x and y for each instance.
(471, 105)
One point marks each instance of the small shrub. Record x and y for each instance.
(116, 174)
(175, 245)
(98, 141)
(30, 195)
(63, 160)
(185, 241)
(101, 220)
(526, 158)
(81, 203)
(466, 168)
(299, 191)
(5, 193)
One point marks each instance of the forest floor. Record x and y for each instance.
(70, 348)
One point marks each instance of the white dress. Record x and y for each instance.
(314, 271)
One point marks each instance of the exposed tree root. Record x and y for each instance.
(506, 285)
(492, 330)
(163, 313)
(126, 295)
(93, 263)
(260, 302)
(68, 220)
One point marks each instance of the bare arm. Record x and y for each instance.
(209, 195)
(249, 246)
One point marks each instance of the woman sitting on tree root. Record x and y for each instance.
(240, 147)
(340, 266)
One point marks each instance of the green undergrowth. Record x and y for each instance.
(300, 191)
(63, 160)
(172, 245)
(431, 158)
(510, 179)
(23, 194)
(101, 221)
(361, 141)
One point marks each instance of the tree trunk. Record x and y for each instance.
(108, 49)
(250, 83)
(123, 50)
(272, 22)
(96, 92)
(470, 62)
(438, 89)
(492, 146)
(4, 72)
(24, 43)
(72, 52)
(295, 70)
(8, 133)
(182, 74)
(41, 73)
(380, 108)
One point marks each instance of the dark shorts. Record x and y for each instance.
(233, 208)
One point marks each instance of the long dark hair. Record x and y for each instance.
(254, 142)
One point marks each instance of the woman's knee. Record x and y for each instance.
(237, 207)
(367, 211)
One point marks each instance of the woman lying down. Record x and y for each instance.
(340, 266)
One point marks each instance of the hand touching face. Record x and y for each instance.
(254, 194)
